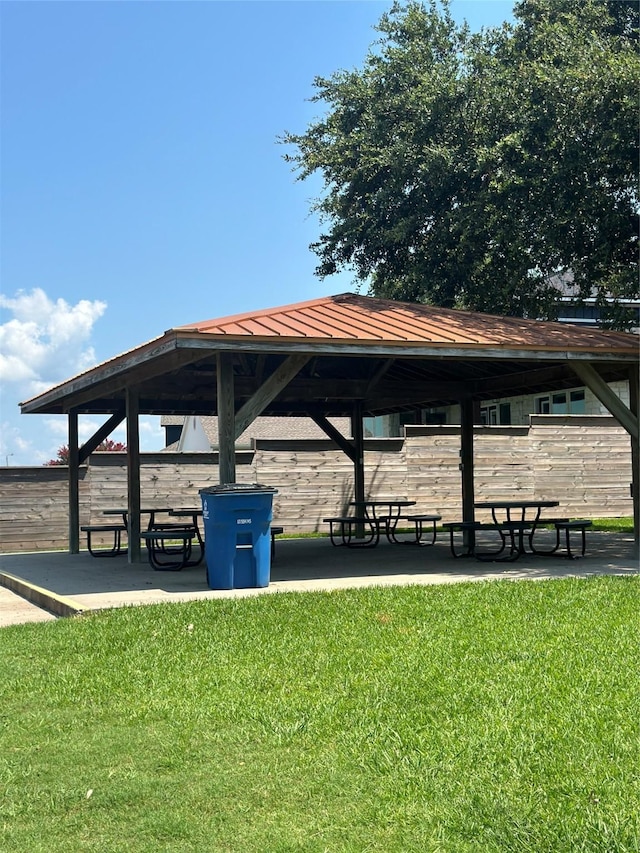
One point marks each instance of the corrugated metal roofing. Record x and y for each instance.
(350, 317)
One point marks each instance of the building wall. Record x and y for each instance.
(522, 408)
(583, 462)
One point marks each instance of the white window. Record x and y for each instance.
(576, 402)
(561, 403)
(542, 406)
(489, 415)
(500, 413)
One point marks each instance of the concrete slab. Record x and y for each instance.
(80, 582)
(16, 610)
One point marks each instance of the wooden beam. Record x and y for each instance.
(495, 386)
(74, 485)
(334, 434)
(477, 352)
(305, 388)
(268, 391)
(133, 476)
(377, 376)
(131, 372)
(226, 419)
(592, 379)
(100, 435)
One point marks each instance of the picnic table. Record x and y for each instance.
(386, 514)
(516, 522)
(150, 511)
(116, 529)
(169, 544)
(515, 518)
(363, 529)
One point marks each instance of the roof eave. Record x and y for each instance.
(418, 349)
(106, 371)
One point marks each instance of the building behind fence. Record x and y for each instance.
(583, 462)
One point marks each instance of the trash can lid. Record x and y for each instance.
(233, 488)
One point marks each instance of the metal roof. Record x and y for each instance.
(349, 317)
(390, 356)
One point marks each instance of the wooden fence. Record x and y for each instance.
(583, 462)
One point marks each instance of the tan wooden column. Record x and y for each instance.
(634, 393)
(226, 419)
(357, 431)
(133, 474)
(74, 485)
(466, 459)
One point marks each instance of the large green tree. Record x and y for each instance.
(471, 170)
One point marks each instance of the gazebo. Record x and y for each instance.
(345, 355)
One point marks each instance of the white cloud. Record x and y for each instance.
(57, 425)
(42, 343)
(45, 341)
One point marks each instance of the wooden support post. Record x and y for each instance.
(634, 394)
(74, 485)
(133, 475)
(226, 419)
(466, 461)
(357, 430)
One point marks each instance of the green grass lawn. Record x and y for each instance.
(619, 525)
(497, 716)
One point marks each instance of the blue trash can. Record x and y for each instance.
(237, 542)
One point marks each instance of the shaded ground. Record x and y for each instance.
(300, 564)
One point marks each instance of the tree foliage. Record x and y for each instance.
(471, 170)
(108, 446)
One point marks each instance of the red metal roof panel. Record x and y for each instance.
(351, 317)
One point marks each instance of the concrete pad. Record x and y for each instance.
(84, 583)
(16, 610)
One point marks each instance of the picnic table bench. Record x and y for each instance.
(115, 529)
(275, 531)
(566, 526)
(170, 547)
(419, 521)
(353, 531)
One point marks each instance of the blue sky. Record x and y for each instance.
(142, 185)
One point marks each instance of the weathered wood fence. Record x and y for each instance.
(583, 462)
